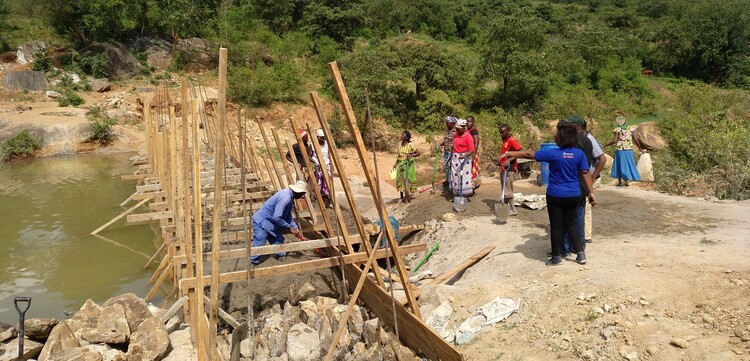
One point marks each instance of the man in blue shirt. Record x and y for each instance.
(275, 217)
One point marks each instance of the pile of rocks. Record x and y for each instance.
(124, 328)
(305, 332)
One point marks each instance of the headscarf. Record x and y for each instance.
(621, 122)
(302, 133)
(451, 119)
(461, 123)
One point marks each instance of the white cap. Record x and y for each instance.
(320, 133)
(299, 187)
(461, 123)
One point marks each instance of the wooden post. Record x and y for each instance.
(308, 164)
(199, 307)
(359, 143)
(344, 179)
(282, 183)
(119, 216)
(188, 214)
(219, 170)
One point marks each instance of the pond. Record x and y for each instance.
(48, 208)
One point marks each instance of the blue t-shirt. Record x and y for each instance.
(564, 166)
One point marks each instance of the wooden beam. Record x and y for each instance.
(359, 143)
(119, 216)
(199, 306)
(146, 217)
(303, 266)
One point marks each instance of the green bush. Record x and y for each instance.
(21, 145)
(101, 126)
(708, 134)
(94, 65)
(42, 60)
(265, 85)
(433, 110)
(69, 98)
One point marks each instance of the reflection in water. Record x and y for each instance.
(48, 207)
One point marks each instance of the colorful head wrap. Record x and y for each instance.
(302, 133)
(451, 120)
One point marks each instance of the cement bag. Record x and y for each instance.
(645, 168)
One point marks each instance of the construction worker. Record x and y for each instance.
(275, 217)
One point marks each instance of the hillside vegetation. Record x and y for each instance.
(499, 60)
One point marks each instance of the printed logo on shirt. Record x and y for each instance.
(567, 155)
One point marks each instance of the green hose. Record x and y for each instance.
(426, 257)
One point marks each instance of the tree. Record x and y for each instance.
(512, 53)
(89, 20)
(337, 19)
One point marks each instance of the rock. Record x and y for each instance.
(607, 308)
(100, 85)
(607, 333)
(158, 51)
(371, 354)
(652, 350)
(588, 355)
(310, 309)
(274, 330)
(448, 217)
(628, 353)
(52, 94)
(111, 328)
(150, 342)
(325, 332)
(678, 342)
(136, 311)
(26, 80)
(25, 52)
(306, 291)
(8, 57)
(182, 346)
(61, 338)
(469, 329)
(85, 319)
(121, 64)
(8, 333)
(196, 53)
(597, 310)
(649, 136)
(77, 354)
(372, 332)
(38, 328)
(356, 323)
(31, 350)
(303, 343)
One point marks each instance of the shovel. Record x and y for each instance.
(21, 321)
(434, 169)
(502, 209)
(459, 202)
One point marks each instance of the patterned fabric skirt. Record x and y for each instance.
(476, 178)
(624, 166)
(461, 175)
(321, 182)
(406, 176)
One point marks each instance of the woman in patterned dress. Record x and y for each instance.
(406, 174)
(623, 166)
(461, 160)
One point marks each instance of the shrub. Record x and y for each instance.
(101, 126)
(94, 65)
(69, 98)
(21, 145)
(42, 60)
(265, 84)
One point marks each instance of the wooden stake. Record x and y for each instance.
(301, 176)
(199, 307)
(119, 216)
(282, 183)
(359, 143)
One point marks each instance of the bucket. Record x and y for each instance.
(544, 166)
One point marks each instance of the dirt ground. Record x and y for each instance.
(664, 266)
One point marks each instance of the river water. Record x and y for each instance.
(48, 207)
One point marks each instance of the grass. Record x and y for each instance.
(657, 117)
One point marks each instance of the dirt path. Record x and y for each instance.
(665, 266)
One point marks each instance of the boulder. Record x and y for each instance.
(38, 328)
(111, 328)
(150, 342)
(107, 353)
(372, 332)
(25, 52)
(196, 53)
(100, 85)
(77, 354)
(26, 80)
(276, 335)
(136, 311)
(7, 331)
(121, 64)
(303, 343)
(61, 338)
(52, 94)
(356, 322)
(649, 136)
(31, 349)
(158, 51)
(85, 320)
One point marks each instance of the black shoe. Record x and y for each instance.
(553, 261)
(581, 258)
(589, 241)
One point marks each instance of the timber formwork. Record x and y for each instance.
(203, 176)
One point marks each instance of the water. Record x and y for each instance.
(48, 207)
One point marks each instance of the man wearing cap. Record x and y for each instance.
(275, 217)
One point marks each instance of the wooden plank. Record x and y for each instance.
(147, 217)
(338, 163)
(153, 258)
(225, 316)
(199, 305)
(412, 331)
(301, 176)
(119, 216)
(304, 266)
(175, 307)
(359, 143)
(282, 182)
(454, 270)
(147, 195)
(133, 176)
(148, 188)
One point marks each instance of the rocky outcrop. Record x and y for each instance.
(26, 80)
(649, 136)
(158, 51)
(25, 52)
(196, 54)
(121, 64)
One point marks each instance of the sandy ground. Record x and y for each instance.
(667, 266)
